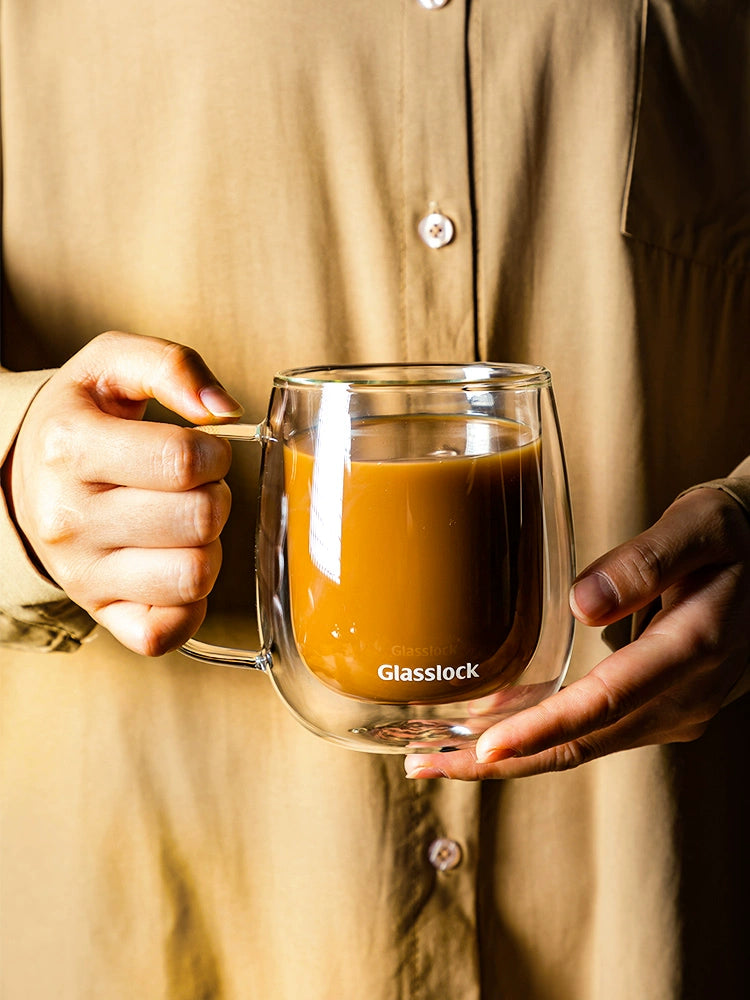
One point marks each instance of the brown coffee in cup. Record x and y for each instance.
(415, 556)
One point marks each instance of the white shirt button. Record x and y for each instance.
(436, 230)
(445, 854)
(433, 4)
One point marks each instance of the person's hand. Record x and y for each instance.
(667, 685)
(123, 514)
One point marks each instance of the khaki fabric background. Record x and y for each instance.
(248, 179)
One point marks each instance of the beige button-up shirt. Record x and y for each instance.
(253, 179)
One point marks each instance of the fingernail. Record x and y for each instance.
(593, 596)
(494, 754)
(219, 403)
(418, 771)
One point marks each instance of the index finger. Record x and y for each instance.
(675, 649)
(117, 368)
(551, 736)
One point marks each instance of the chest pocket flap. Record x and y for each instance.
(688, 185)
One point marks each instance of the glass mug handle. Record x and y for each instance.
(206, 652)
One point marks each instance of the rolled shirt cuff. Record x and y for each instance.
(737, 487)
(34, 612)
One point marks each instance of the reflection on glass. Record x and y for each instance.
(332, 457)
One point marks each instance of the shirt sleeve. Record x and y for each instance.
(736, 485)
(743, 469)
(34, 613)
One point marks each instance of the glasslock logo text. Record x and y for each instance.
(394, 672)
(450, 649)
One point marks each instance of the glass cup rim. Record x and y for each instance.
(475, 374)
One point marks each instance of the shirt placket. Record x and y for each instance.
(438, 308)
(438, 279)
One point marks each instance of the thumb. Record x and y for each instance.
(121, 371)
(632, 575)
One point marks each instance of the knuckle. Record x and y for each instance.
(722, 524)
(87, 365)
(610, 704)
(102, 342)
(206, 513)
(704, 640)
(727, 525)
(148, 640)
(56, 522)
(176, 359)
(568, 756)
(686, 716)
(182, 459)
(59, 444)
(600, 703)
(169, 632)
(148, 646)
(77, 577)
(707, 644)
(643, 565)
(98, 346)
(196, 576)
(154, 642)
(690, 732)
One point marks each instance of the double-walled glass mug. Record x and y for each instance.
(414, 551)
